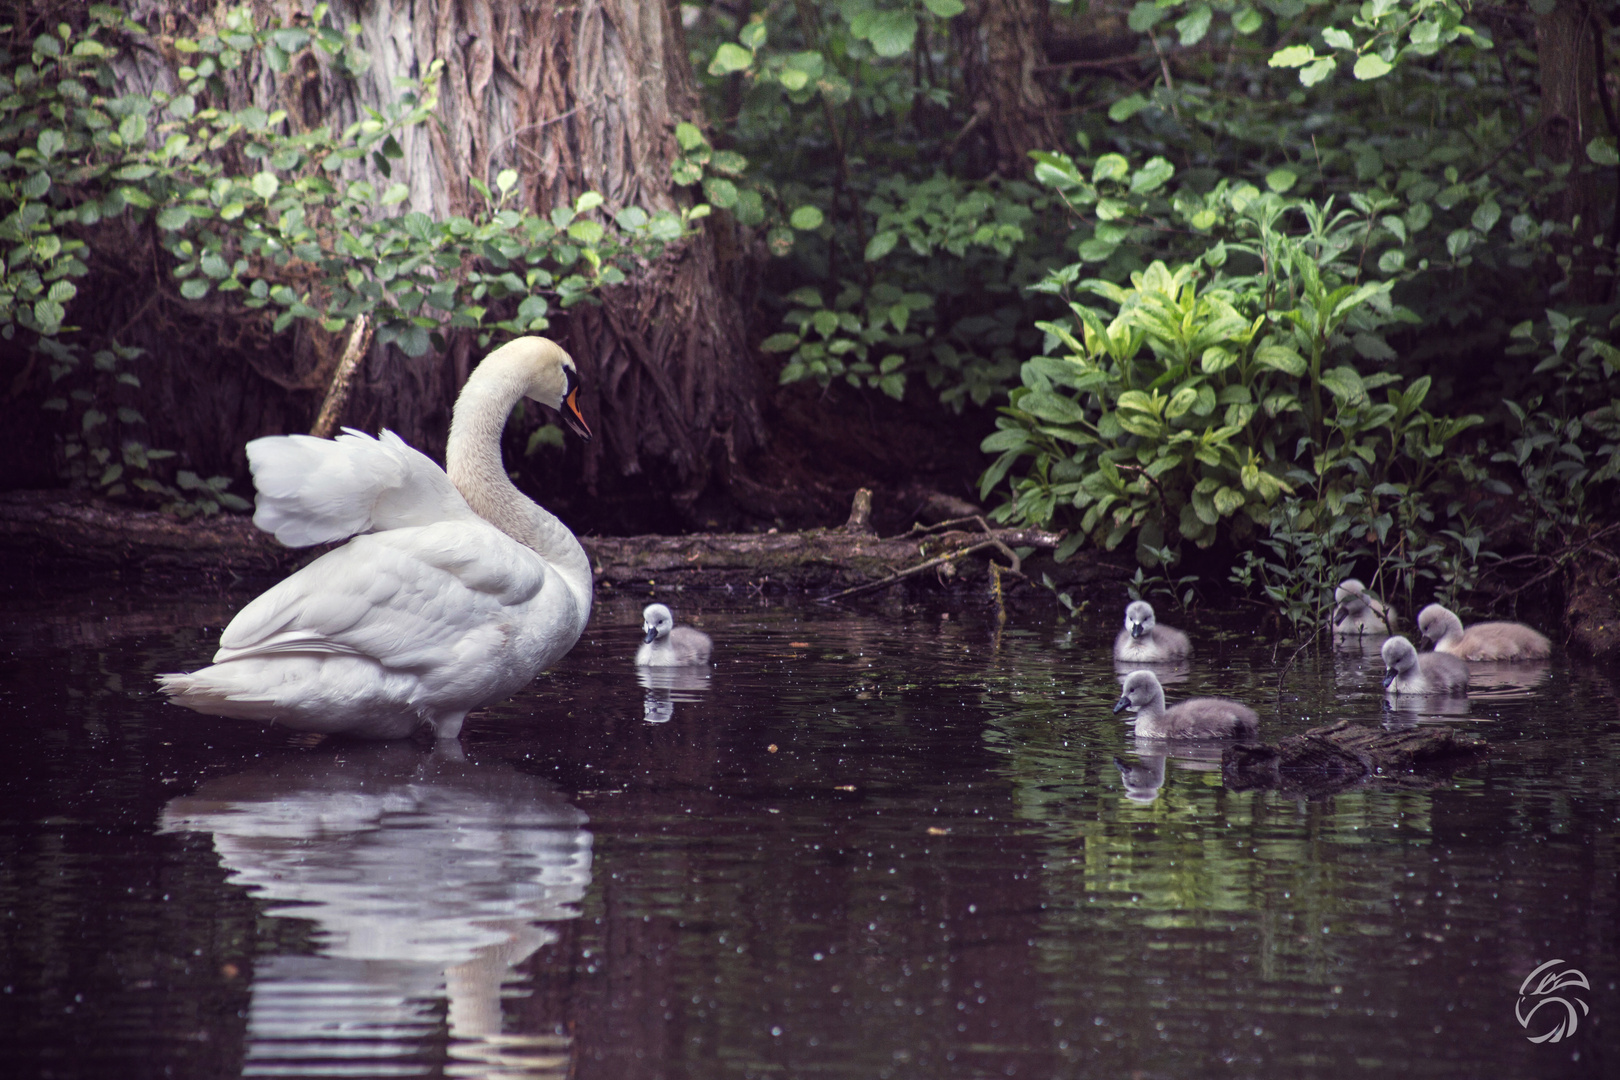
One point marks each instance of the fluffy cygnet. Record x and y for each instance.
(1482, 641)
(1407, 671)
(1358, 613)
(1144, 641)
(668, 645)
(1195, 718)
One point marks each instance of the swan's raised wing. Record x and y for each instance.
(411, 599)
(314, 491)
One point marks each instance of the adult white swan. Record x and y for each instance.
(455, 591)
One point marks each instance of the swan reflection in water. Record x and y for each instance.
(667, 685)
(1144, 777)
(425, 876)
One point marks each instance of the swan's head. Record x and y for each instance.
(1139, 619)
(1349, 598)
(1399, 658)
(656, 622)
(1435, 622)
(549, 375)
(1141, 689)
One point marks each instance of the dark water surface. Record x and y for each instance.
(879, 843)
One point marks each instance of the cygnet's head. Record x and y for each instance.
(656, 622)
(1139, 618)
(1350, 597)
(1399, 658)
(1141, 689)
(1435, 622)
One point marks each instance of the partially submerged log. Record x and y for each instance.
(57, 531)
(1342, 755)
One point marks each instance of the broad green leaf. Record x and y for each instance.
(265, 185)
(945, 9)
(1280, 358)
(1151, 177)
(1316, 71)
(1281, 180)
(806, 218)
(1126, 107)
(1372, 66)
(1247, 21)
(1345, 384)
(753, 35)
(780, 343)
(892, 32)
(689, 136)
(1292, 57)
(172, 218)
(728, 58)
(1601, 151)
(1110, 167)
(1338, 39)
(1194, 25)
(1486, 215)
(880, 245)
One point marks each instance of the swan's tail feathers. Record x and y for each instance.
(215, 696)
(316, 491)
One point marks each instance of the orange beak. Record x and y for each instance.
(571, 416)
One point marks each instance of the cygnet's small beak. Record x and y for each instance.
(652, 634)
(1389, 676)
(1137, 629)
(1340, 613)
(1124, 702)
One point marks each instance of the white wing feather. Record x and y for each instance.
(315, 491)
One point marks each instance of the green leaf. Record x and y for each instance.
(722, 193)
(753, 35)
(194, 288)
(1280, 358)
(1247, 21)
(1127, 107)
(728, 58)
(132, 129)
(1194, 25)
(1486, 215)
(806, 218)
(892, 32)
(1345, 384)
(1372, 66)
(880, 245)
(1316, 71)
(945, 9)
(1601, 151)
(1281, 180)
(1292, 57)
(780, 343)
(1338, 39)
(1151, 177)
(689, 136)
(49, 142)
(1110, 167)
(265, 185)
(173, 218)
(1145, 16)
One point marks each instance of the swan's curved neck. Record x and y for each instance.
(473, 460)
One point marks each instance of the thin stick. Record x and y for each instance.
(337, 392)
(871, 586)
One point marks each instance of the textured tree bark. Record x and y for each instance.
(575, 96)
(1570, 118)
(1000, 45)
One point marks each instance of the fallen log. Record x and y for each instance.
(1339, 756)
(45, 532)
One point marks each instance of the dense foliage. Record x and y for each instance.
(1327, 286)
(1278, 282)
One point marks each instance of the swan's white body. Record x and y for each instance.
(455, 593)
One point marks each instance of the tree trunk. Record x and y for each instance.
(1570, 118)
(574, 97)
(1000, 45)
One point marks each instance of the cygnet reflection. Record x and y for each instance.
(425, 876)
(1506, 680)
(1408, 710)
(667, 685)
(1142, 778)
(1145, 777)
(1169, 672)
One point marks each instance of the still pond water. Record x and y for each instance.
(885, 842)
